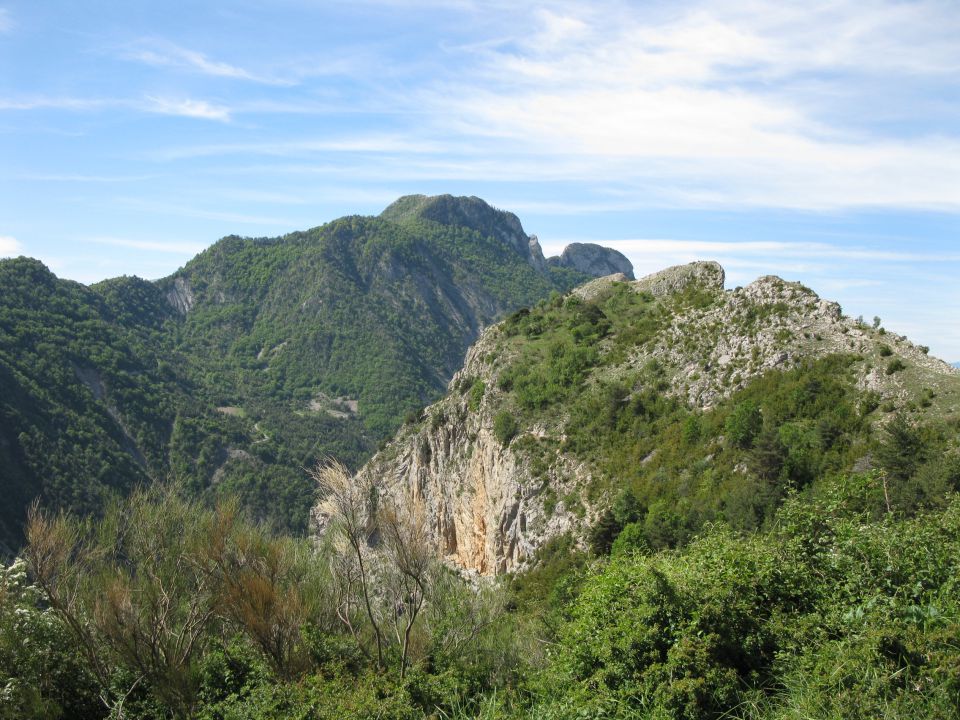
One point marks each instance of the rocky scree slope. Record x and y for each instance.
(506, 461)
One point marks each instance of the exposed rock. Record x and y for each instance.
(594, 260)
(593, 289)
(536, 254)
(709, 275)
(486, 511)
(180, 295)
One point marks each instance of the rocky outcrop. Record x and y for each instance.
(488, 511)
(475, 213)
(707, 275)
(180, 295)
(594, 260)
(490, 507)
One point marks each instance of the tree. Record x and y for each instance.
(349, 506)
(137, 590)
(743, 424)
(407, 546)
(902, 450)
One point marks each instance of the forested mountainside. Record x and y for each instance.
(663, 405)
(254, 360)
(655, 499)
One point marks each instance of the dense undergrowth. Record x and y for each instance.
(846, 607)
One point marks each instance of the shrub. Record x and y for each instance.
(504, 427)
(476, 394)
(894, 366)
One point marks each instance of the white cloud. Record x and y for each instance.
(79, 178)
(774, 248)
(165, 54)
(186, 107)
(56, 103)
(741, 103)
(182, 107)
(9, 246)
(6, 22)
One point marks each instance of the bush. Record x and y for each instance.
(676, 635)
(476, 394)
(504, 427)
(895, 365)
(743, 424)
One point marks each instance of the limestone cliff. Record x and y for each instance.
(486, 514)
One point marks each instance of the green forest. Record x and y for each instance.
(316, 344)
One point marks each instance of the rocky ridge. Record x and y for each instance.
(490, 510)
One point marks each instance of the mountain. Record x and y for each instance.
(664, 404)
(254, 360)
(956, 365)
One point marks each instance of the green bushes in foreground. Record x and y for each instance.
(846, 607)
(842, 611)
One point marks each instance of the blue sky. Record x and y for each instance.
(819, 141)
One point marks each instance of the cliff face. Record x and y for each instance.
(485, 513)
(495, 496)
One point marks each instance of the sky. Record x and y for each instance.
(818, 141)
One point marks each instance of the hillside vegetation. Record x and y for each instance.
(257, 358)
(666, 404)
(771, 536)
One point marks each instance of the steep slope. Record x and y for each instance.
(85, 404)
(257, 358)
(666, 403)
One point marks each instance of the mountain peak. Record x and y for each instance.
(471, 212)
(477, 214)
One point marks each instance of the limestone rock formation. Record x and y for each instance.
(708, 275)
(594, 260)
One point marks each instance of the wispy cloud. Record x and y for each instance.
(80, 178)
(165, 208)
(6, 21)
(180, 107)
(160, 53)
(185, 107)
(660, 247)
(362, 144)
(56, 103)
(715, 103)
(9, 245)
